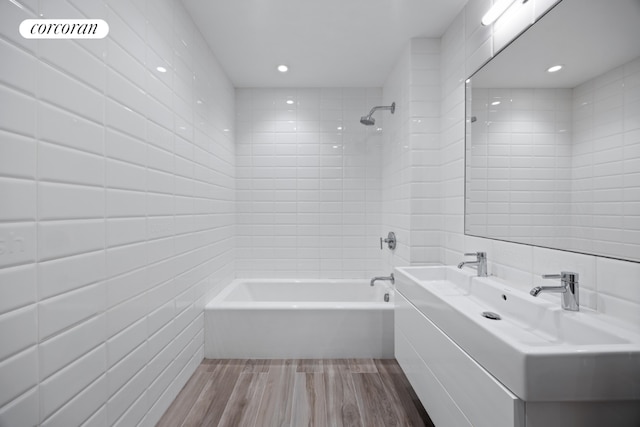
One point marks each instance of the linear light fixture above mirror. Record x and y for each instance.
(497, 10)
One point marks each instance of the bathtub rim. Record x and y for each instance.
(219, 302)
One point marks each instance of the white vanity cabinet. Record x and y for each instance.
(469, 369)
(453, 388)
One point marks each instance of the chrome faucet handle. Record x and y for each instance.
(390, 241)
(477, 254)
(565, 276)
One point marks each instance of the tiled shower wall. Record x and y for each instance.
(610, 286)
(308, 183)
(410, 169)
(120, 221)
(396, 173)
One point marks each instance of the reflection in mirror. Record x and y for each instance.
(553, 158)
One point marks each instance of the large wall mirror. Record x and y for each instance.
(553, 158)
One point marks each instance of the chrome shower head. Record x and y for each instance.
(370, 121)
(367, 120)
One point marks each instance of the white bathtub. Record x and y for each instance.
(273, 319)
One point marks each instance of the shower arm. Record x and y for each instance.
(391, 107)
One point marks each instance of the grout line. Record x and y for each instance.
(36, 139)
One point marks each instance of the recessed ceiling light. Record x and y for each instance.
(161, 69)
(290, 101)
(495, 103)
(554, 68)
(283, 68)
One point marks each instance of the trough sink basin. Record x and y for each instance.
(537, 350)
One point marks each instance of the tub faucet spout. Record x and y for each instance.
(390, 278)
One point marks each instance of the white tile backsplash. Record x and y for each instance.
(618, 279)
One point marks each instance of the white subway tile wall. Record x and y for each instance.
(424, 128)
(466, 46)
(117, 219)
(308, 183)
(410, 171)
(396, 172)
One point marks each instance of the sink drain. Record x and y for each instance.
(491, 315)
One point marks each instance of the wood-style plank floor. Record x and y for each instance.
(296, 393)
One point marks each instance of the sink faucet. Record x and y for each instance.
(480, 263)
(568, 287)
(390, 278)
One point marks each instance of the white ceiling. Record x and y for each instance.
(325, 43)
